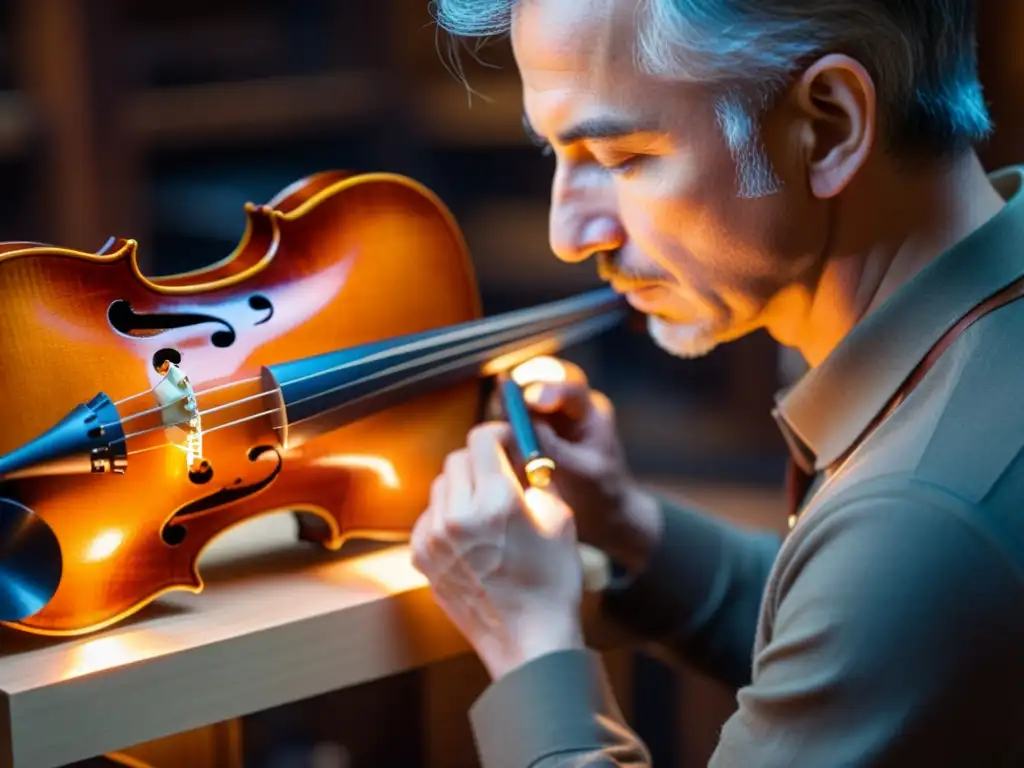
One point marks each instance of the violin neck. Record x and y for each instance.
(321, 393)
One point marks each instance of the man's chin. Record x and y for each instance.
(687, 341)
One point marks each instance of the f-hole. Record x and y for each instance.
(165, 355)
(261, 304)
(202, 474)
(128, 322)
(174, 532)
(173, 535)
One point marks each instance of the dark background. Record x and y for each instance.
(158, 121)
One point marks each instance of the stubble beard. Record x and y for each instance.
(688, 341)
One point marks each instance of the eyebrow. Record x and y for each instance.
(594, 129)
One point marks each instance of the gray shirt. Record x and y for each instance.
(887, 628)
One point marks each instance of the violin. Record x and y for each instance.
(326, 368)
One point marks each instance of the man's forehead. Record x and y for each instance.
(565, 37)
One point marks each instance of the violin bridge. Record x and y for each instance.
(179, 412)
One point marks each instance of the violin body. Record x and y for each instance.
(333, 261)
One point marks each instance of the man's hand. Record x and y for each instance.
(578, 431)
(508, 577)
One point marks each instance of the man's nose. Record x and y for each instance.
(575, 241)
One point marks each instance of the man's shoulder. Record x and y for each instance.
(877, 510)
(961, 429)
(881, 553)
(889, 612)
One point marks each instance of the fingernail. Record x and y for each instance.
(538, 395)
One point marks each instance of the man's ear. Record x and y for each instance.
(836, 97)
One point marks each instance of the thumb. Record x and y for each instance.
(572, 399)
(551, 385)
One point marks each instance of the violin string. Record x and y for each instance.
(159, 446)
(356, 382)
(401, 349)
(233, 403)
(242, 420)
(532, 315)
(457, 352)
(481, 356)
(463, 354)
(234, 423)
(229, 385)
(133, 397)
(580, 330)
(384, 354)
(159, 427)
(487, 342)
(474, 345)
(517, 320)
(158, 408)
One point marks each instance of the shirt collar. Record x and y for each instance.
(827, 410)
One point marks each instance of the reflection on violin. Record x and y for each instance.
(326, 367)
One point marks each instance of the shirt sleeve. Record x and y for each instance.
(557, 711)
(895, 640)
(700, 595)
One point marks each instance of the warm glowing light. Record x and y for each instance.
(539, 471)
(546, 370)
(380, 466)
(98, 654)
(180, 412)
(548, 513)
(505, 362)
(391, 569)
(194, 442)
(104, 545)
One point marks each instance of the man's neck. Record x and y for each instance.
(926, 216)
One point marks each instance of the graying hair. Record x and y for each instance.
(921, 55)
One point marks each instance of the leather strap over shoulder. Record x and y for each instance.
(798, 480)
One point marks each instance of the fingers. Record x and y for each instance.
(551, 385)
(421, 540)
(458, 475)
(486, 445)
(480, 479)
(477, 490)
(579, 458)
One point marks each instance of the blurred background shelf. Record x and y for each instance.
(158, 121)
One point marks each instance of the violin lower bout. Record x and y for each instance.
(113, 570)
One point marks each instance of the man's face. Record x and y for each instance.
(646, 183)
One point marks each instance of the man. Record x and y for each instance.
(807, 168)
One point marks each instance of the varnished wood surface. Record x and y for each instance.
(329, 263)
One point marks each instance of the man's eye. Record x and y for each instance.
(619, 164)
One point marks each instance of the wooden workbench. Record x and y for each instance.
(277, 622)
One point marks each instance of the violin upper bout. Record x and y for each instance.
(296, 194)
